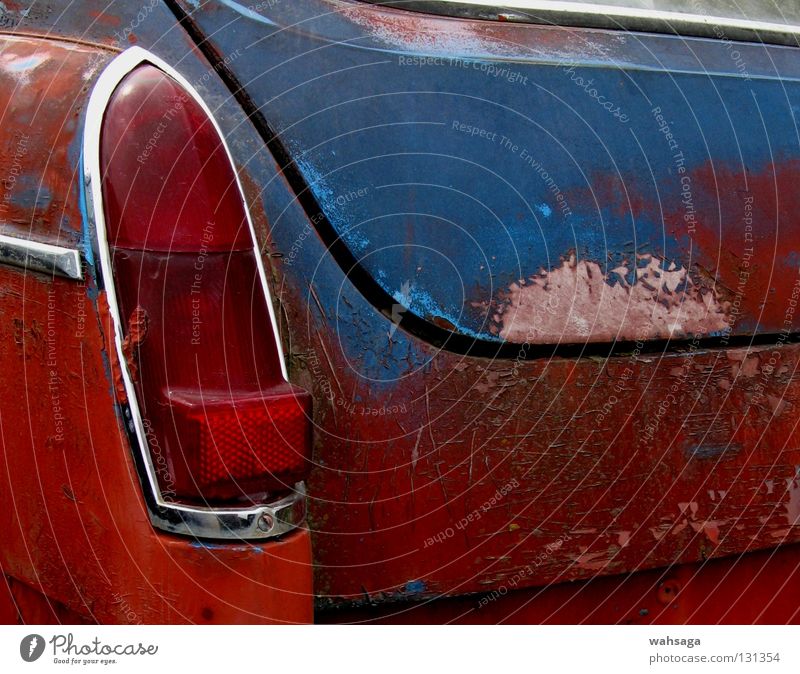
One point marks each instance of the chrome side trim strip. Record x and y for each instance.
(615, 17)
(256, 522)
(41, 257)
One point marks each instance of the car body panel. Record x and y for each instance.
(535, 184)
(756, 588)
(438, 473)
(77, 535)
(463, 473)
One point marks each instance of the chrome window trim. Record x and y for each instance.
(589, 15)
(41, 257)
(257, 522)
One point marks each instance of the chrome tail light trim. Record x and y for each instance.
(256, 522)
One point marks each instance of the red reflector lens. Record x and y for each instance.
(266, 437)
(199, 343)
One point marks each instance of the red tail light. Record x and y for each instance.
(200, 347)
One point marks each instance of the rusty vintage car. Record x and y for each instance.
(403, 311)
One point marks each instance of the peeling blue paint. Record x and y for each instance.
(21, 65)
(415, 587)
(356, 240)
(463, 220)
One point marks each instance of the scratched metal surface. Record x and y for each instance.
(758, 588)
(437, 473)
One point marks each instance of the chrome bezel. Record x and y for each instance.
(256, 522)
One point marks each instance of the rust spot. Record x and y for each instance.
(108, 332)
(668, 591)
(442, 323)
(137, 331)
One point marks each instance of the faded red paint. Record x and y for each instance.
(44, 84)
(770, 257)
(758, 588)
(694, 457)
(77, 541)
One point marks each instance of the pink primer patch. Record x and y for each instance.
(576, 303)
